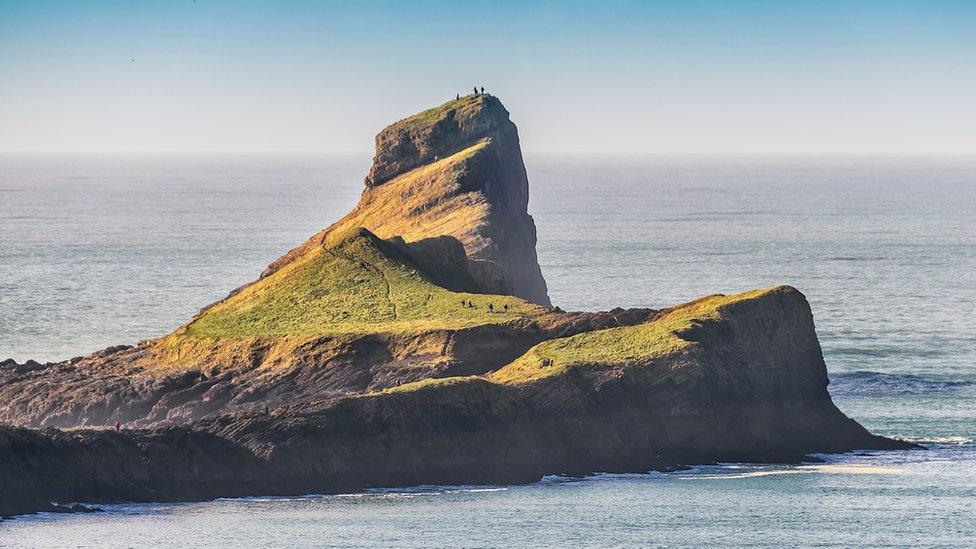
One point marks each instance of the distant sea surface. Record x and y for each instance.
(97, 251)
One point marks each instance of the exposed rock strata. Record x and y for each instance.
(145, 386)
(744, 381)
(454, 170)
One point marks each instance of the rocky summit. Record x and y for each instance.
(413, 342)
(453, 172)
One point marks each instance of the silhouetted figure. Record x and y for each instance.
(482, 90)
(505, 307)
(118, 425)
(458, 97)
(476, 90)
(491, 308)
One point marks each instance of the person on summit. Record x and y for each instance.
(458, 97)
(482, 90)
(476, 90)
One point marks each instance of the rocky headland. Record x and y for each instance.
(413, 342)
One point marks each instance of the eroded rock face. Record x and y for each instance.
(144, 387)
(436, 133)
(454, 171)
(748, 383)
(501, 243)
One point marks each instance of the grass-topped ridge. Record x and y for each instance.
(429, 383)
(624, 346)
(354, 283)
(425, 202)
(465, 107)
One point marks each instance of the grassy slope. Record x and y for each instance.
(618, 346)
(423, 203)
(464, 106)
(354, 284)
(624, 346)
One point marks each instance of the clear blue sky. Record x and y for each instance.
(644, 77)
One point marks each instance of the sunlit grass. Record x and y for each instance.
(620, 346)
(355, 283)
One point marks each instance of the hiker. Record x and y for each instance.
(491, 308)
(505, 307)
(458, 97)
(482, 90)
(476, 90)
(118, 425)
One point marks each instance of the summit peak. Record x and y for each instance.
(435, 133)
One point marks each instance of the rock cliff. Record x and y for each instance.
(737, 378)
(457, 171)
(411, 342)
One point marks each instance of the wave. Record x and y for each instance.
(867, 383)
(766, 471)
(432, 490)
(946, 441)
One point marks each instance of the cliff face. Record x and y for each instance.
(437, 133)
(454, 171)
(411, 343)
(721, 379)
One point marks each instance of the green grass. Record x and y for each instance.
(353, 284)
(619, 346)
(465, 105)
(430, 382)
(424, 202)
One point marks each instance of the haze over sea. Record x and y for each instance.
(97, 251)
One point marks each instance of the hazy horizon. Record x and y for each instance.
(630, 78)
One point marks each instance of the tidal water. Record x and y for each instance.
(96, 251)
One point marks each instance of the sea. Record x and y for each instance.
(101, 250)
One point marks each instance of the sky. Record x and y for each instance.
(578, 77)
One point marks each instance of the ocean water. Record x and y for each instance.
(96, 251)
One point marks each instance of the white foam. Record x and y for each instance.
(953, 440)
(825, 468)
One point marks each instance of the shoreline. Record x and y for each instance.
(753, 468)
